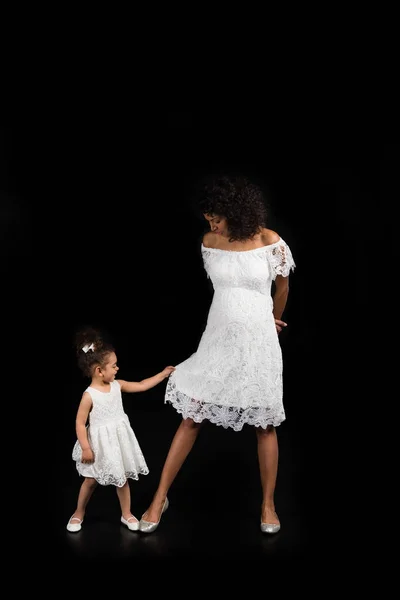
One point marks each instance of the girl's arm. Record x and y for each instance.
(145, 384)
(80, 426)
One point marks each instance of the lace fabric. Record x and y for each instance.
(117, 453)
(235, 376)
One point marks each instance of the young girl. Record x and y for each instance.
(106, 451)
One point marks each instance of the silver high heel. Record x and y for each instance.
(148, 526)
(270, 527)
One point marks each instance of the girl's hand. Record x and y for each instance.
(87, 456)
(167, 371)
(280, 325)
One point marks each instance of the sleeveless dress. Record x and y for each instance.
(117, 454)
(235, 376)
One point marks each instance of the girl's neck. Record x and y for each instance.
(100, 384)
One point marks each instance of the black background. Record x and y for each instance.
(98, 228)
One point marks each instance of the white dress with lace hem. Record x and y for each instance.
(235, 376)
(117, 454)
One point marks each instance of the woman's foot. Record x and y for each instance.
(154, 512)
(268, 515)
(146, 524)
(269, 520)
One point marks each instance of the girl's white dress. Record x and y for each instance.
(117, 454)
(235, 376)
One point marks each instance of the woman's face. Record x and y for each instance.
(217, 223)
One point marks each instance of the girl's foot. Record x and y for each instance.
(75, 523)
(130, 521)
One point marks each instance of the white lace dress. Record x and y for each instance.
(235, 376)
(117, 454)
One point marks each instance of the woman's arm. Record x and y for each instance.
(279, 299)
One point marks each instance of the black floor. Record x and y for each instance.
(215, 501)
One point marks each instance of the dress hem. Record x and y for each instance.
(110, 481)
(220, 416)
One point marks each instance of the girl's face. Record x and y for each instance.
(110, 369)
(218, 224)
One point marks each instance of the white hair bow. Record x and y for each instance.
(87, 348)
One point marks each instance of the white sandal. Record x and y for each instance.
(132, 526)
(74, 526)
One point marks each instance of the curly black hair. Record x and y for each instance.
(240, 201)
(92, 350)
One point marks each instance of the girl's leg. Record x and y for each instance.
(124, 497)
(85, 493)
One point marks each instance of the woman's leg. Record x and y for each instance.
(267, 445)
(181, 445)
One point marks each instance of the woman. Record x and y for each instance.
(235, 376)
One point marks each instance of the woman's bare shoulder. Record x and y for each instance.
(269, 236)
(209, 239)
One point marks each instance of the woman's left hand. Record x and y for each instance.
(279, 325)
